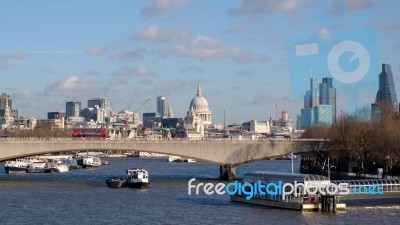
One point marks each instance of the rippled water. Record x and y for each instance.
(81, 196)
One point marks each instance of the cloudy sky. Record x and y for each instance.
(242, 52)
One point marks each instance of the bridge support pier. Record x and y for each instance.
(227, 172)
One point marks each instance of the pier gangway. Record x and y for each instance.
(369, 186)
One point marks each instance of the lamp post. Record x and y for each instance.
(224, 124)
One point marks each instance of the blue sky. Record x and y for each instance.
(240, 51)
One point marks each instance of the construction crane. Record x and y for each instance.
(141, 106)
(276, 109)
(134, 111)
(130, 104)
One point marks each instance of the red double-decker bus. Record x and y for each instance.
(92, 133)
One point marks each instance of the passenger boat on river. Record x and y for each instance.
(296, 200)
(135, 178)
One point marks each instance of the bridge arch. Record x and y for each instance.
(227, 154)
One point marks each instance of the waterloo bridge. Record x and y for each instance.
(225, 153)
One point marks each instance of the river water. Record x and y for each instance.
(81, 196)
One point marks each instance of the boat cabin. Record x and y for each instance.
(137, 175)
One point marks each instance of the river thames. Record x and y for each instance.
(81, 196)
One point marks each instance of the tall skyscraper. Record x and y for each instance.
(160, 105)
(164, 108)
(5, 100)
(72, 108)
(319, 104)
(314, 92)
(327, 94)
(386, 92)
(307, 100)
(5, 105)
(7, 114)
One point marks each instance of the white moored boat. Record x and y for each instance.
(36, 167)
(137, 178)
(15, 166)
(57, 168)
(173, 158)
(89, 161)
(20, 165)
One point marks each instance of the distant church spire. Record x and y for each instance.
(169, 113)
(198, 90)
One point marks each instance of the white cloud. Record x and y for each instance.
(22, 94)
(245, 73)
(158, 7)
(71, 86)
(253, 7)
(117, 85)
(137, 53)
(387, 27)
(236, 28)
(170, 86)
(34, 104)
(204, 47)
(155, 34)
(136, 71)
(96, 50)
(4, 64)
(9, 56)
(13, 55)
(192, 70)
(260, 99)
(148, 82)
(324, 31)
(353, 5)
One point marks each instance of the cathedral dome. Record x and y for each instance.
(199, 102)
(199, 110)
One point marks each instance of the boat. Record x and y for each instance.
(15, 166)
(173, 158)
(147, 154)
(94, 154)
(56, 168)
(20, 165)
(92, 162)
(89, 161)
(137, 178)
(36, 167)
(190, 160)
(116, 182)
(301, 201)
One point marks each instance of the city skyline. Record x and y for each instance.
(53, 52)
